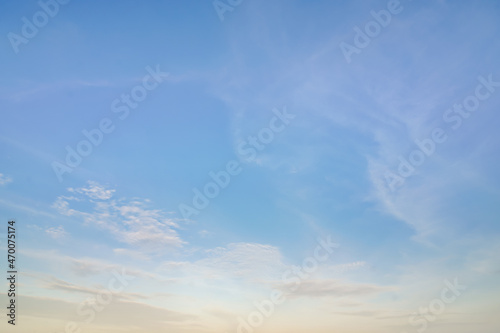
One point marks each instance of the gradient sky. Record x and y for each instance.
(323, 175)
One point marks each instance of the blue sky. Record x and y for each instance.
(323, 175)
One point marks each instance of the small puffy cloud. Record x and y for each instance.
(349, 267)
(204, 233)
(132, 254)
(94, 191)
(4, 180)
(56, 233)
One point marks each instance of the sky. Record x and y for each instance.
(251, 166)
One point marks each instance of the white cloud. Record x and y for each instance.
(205, 233)
(484, 259)
(343, 268)
(56, 313)
(237, 260)
(56, 233)
(132, 254)
(54, 283)
(130, 221)
(94, 191)
(4, 180)
(27, 207)
(36, 89)
(86, 267)
(243, 259)
(331, 288)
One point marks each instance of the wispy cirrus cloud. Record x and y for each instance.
(37, 89)
(54, 283)
(153, 318)
(86, 267)
(313, 288)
